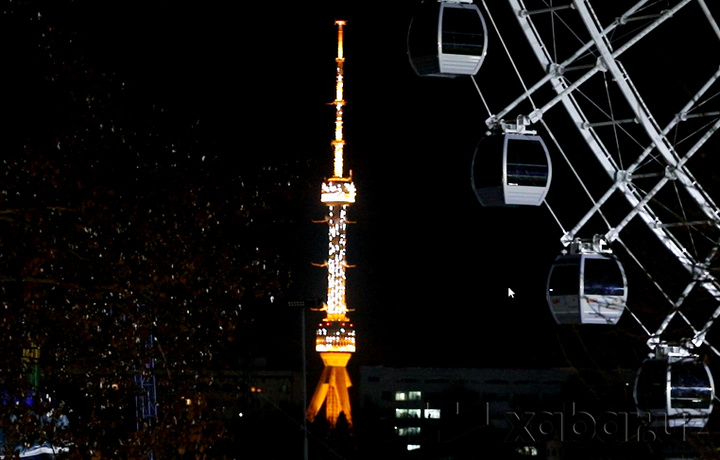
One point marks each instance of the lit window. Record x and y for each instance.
(407, 413)
(408, 395)
(413, 446)
(407, 430)
(432, 413)
(530, 451)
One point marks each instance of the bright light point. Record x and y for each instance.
(338, 191)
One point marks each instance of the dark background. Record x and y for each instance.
(252, 85)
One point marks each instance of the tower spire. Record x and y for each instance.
(335, 336)
(339, 142)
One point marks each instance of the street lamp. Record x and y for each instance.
(303, 304)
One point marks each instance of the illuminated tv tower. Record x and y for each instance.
(335, 339)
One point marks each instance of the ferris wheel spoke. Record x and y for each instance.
(702, 275)
(711, 285)
(560, 84)
(630, 172)
(557, 70)
(709, 17)
(644, 270)
(645, 118)
(642, 113)
(575, 173)
(658, 150)
(676, 172)
(676, 311)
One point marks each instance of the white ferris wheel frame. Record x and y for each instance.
(676, 169)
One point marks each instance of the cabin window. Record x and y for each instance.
(527, 163)
(651, 385)
(463, 32)
(422, 41)
(488, 168)
(603, 277)
(690, 386)
(565, 279)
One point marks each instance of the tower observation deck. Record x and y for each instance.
(335, 335)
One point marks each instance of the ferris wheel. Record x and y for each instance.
(617, 106)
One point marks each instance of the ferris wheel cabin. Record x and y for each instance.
(675, 391)
(447, 38)
(586, 286)
(511, 169)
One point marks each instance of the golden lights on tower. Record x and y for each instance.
(335, 336)
(339, 102)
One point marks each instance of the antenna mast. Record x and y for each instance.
(339, 142)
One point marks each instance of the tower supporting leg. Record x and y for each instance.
(332, 389)
(319, 396)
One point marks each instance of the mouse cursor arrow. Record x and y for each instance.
(511, 294)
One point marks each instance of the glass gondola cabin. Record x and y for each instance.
(511, 169)
(447, 38)
(586, 288)
(675, 392)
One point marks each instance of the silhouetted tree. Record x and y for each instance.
(127, 246)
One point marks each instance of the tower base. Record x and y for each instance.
(332, 389)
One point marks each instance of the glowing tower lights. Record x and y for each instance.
(335, 339)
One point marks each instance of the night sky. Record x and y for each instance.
(433, 266)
